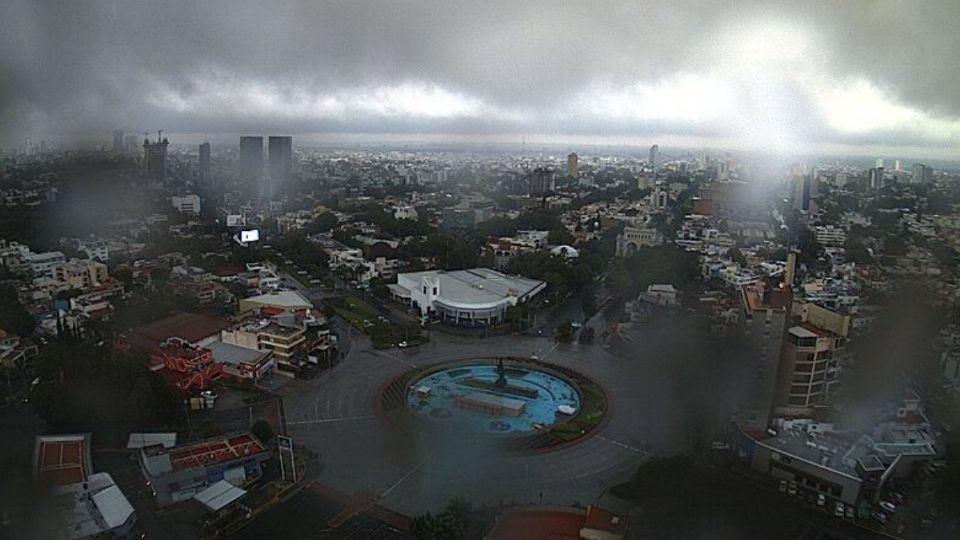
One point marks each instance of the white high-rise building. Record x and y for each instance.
(922, 174)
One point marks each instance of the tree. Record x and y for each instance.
(263, 430)
(629, 276)
(209, 428)
(322, 223)
(589, 304)
(159, 274)
(13, 317)
(565, 332)
(856, 252)
(560, 237)
(496, 227)
(442, 526)
(894, 245)
(737, 256)
(460, 508)
(86, 387)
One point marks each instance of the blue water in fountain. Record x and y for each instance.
(447, 384)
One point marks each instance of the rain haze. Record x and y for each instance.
(499, 270)
(816, 76)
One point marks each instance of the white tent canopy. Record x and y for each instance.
(142, 440)
(219, 495)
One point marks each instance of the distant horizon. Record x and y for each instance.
(515, 143)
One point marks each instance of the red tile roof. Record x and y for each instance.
(602, 519)
(192, 327)
(213, 452)
(62, 460)
(538, 525)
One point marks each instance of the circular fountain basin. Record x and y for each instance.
(469, 396)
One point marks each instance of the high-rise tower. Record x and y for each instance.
(155, 159)
(280, 159)
(251, 161)
(205, 164)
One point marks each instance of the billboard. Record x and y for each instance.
(250, 236)
(236, 220)
(285, 446)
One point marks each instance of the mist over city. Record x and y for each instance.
(496, 270)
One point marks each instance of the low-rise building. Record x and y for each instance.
(830, 235)
(288, 344)
(95, 509)
(41, 264)
(279, 299)
(177, 474)
(186, 204)
(95, 249)
(844, 467)
(475, 297)
(79, 274)
(90, 504)
(633, 238)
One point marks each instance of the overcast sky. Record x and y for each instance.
(752, 75)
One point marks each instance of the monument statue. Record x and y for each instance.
(501, 373)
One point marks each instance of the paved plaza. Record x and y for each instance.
(413, 472)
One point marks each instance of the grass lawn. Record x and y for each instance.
(592, 409)
(354, 310)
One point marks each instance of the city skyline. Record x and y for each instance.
(785, 79)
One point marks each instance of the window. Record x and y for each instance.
(424, 290)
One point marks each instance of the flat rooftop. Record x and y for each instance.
(62, 459)
(824, 451)
(538, 525)
(233, 355)
(213, 452)
(478, 285)
(192, 327)
(92, 509)
(287, 299)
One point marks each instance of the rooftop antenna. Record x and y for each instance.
(159, 133)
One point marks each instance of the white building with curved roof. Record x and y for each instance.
(473, 297)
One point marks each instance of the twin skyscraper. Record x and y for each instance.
(279, 161)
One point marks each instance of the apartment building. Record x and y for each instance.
(80, 274)
(810, 359)
(287, 343)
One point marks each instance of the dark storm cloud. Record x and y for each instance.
(474, 67)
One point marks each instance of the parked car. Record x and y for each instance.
(793, 488)
(821, 499)
(783, 486)
(403, 344)
(879, 516)
(849, 512)
(838, 510)
(888, 506)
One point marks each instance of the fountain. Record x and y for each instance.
(526, 400)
